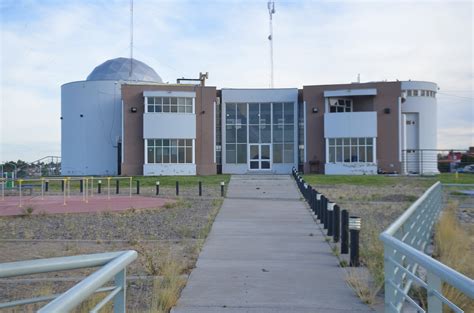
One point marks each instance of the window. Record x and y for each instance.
(283, 132)
(340, 105)
(169, 151)
(236, 132)
(350, 150)
(169, 104)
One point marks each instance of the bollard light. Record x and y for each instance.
(354, 223)
(336, 223)
(344, 232)
(318, 206)
(222, 188)
(157, 188)
(330, 218)
(354, 228)
(99, 186)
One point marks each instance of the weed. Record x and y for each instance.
(27, 211)
(362, 287)
(167, 288)
(343, 263)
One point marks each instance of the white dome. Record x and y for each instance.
(119, 69)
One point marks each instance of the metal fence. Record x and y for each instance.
(113, 267)
(405, 261)
(429, 161)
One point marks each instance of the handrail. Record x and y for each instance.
(113, 266)
(404, 243)
(55, 264)
(447, 274)
(407, 214)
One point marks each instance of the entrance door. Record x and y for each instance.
(260, 156)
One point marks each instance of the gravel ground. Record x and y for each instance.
(174, 232)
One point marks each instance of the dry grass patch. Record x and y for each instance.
(363, 288)
(450, 249)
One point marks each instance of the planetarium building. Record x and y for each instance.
(123, 120)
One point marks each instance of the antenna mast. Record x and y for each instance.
(271, 11)
(131, 39)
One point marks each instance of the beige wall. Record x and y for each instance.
(387, 124)
(133, 145)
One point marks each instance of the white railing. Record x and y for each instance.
(405, 242)
(113, 267)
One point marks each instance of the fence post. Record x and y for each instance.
(177, 188)
(344, 232)
(434, 284)
(62, 185)
(336, 223)
(46, 186)
(200, 188)
(117, 186)
(138, 187)
(119, 299)
(354, 227)
(81, 186)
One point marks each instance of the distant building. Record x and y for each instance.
(123, 120)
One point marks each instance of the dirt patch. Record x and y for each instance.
(173, 233)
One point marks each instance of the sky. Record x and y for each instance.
(47, 43)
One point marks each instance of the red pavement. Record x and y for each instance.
(74, 204)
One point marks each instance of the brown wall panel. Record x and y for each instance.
(133, 145)
(387, 124)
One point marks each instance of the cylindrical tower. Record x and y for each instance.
(91, 117)
(419, 127)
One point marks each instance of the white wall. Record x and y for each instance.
(426, 107)
(88, 143)
(169, 169)
(350, 124)
(350, 168)
(169, 125)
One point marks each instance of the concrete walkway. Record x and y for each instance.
(266, 254)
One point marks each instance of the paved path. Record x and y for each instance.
(260, 257)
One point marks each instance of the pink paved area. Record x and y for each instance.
(75, 204)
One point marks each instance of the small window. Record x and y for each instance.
(409, 93)
(415, 93)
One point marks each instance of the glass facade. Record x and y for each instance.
(261, 130)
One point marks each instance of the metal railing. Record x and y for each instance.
(113, 267)
(432, 161)
(405, 261)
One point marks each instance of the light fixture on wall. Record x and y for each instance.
(386, 111)
(315, 110)
(133, 109)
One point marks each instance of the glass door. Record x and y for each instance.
(260, 156)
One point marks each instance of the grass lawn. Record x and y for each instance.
(382, 180)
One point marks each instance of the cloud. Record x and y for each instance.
(46, 44)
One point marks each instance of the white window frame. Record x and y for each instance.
(334, 103)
